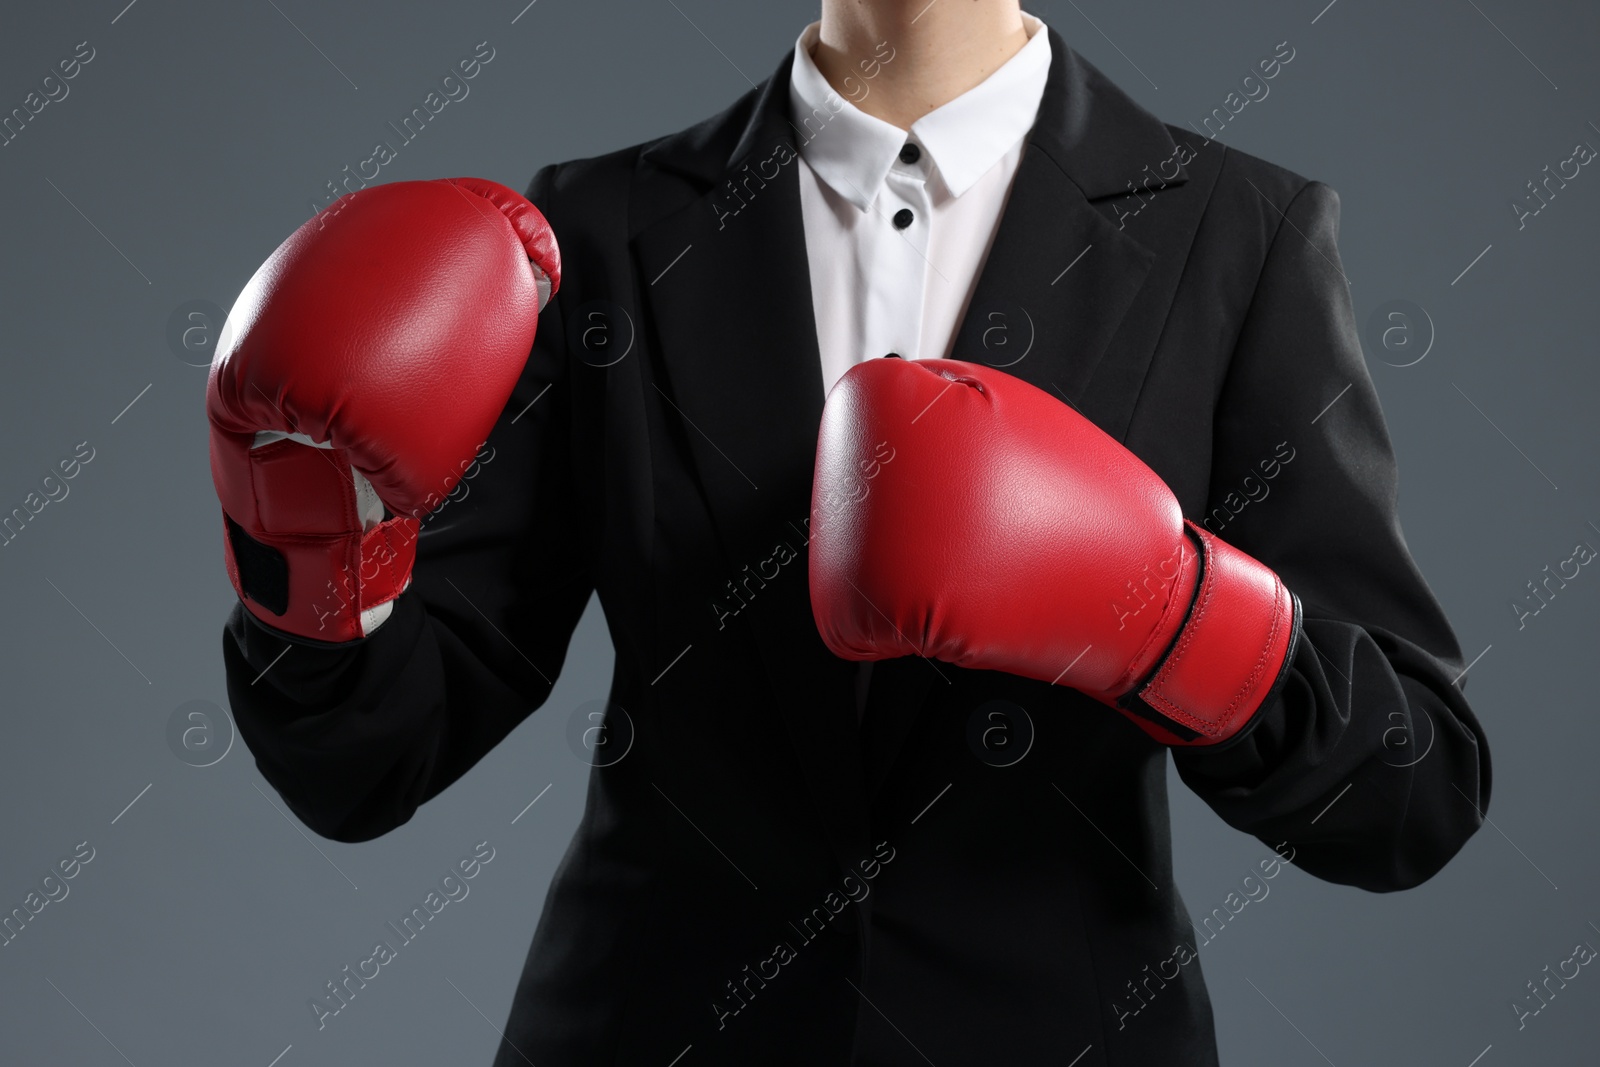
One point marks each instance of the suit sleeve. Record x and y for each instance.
(355, 737)
(1367, 760)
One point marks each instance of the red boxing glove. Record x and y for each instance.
(386, 334)
(961, 514)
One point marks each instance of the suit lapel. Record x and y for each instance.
(1059, 279)
(1063, 272)
(728, 285)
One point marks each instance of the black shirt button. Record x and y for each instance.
(910, 153)
(903, 218)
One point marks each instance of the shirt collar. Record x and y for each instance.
(853, 152)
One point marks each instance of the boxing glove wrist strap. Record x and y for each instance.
(319, 586)
(1229, 656)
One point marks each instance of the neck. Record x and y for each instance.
(939, 51)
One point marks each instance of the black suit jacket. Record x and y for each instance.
(978, 871)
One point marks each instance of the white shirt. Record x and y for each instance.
(878, 287)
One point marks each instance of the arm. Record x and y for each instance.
(1371, 700)
(356, 736)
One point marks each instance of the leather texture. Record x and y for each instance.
(390, 329)
(964, 515)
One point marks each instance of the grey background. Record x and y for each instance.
(193, 143)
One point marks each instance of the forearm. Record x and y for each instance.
(348, 736)
(1367, 760)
